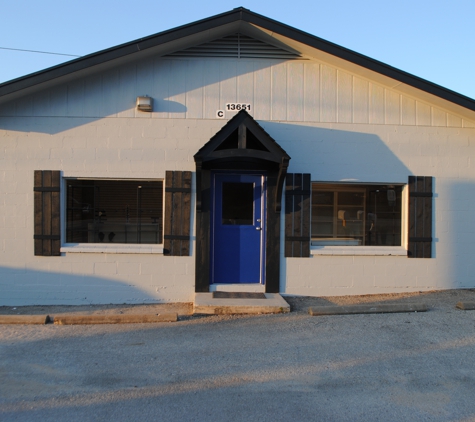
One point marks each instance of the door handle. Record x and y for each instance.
(258, 228)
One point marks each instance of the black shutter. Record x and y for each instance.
(297, 215)
(47, 231)
(177, 213)
(420, 217)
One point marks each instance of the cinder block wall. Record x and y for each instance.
(351, 129)
(103, 148)
(386, 153)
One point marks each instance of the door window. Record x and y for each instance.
(237, 203)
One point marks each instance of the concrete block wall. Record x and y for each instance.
(90, 128)
(385, 153)
(126, 148)
(105, 148)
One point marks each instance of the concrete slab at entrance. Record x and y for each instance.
(273, 303)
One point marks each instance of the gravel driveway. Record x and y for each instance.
(287, 367)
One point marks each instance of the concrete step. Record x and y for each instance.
(272, 304)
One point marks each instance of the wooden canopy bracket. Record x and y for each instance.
(199, 164)
(284, 164)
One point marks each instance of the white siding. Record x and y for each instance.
(334, 124)
(360, 101)
(311, 93)
(278, 103)
(295, 92)
(345, 97)
(328, 101)
(277, 90)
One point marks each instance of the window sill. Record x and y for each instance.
(359, 250)
(111, 248)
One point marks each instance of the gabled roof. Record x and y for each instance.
(242, 137)
(243, 141)
(238, 20)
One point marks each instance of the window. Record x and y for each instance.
(114, 211)
(356, 215)
(238, 203)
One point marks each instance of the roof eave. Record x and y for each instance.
(211, 23)
(359, 59)
(117, 52)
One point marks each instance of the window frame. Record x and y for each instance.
(398, 250)
(126, 248)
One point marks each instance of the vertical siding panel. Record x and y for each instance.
(467, 123)
(262, 97)
(211, 89)
(22, 107)
(59, 101)
(408, 111)
(311, 92)
(194, 91)
(422, 114)
(453, 121)
(439, 117)
(376, 108)
(245, 81)
(127, 92)
(144, 85)
(279, 91)
(177, 89)
(295, 93)
(76, 99)
(360, 101)
(161, 78)
(392, 108)
(41, 104)
(110, 93)
(93, 96)
(345, 97)
(228, 85)
(329, 94)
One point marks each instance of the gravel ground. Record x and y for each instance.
(391, 367)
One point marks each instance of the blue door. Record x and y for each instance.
(237, 228)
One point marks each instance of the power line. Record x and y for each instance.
(35, 51)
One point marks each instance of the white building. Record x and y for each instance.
(232, 153)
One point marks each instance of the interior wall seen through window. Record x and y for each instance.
(114, 211)
(356, 215)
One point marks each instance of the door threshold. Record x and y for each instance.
(240, 287)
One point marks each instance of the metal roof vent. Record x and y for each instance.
(238, 46)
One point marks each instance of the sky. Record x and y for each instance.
(434, 40)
